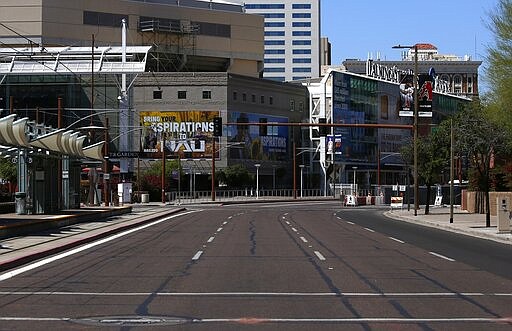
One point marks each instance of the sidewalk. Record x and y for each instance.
(463, 222)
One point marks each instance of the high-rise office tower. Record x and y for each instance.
(292, 37)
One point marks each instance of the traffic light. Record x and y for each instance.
(322, 130)
(217, 126)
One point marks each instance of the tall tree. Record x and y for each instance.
(499, 67)
(481, 140)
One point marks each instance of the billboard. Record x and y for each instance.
(188, 134)
(257, 142)
(425, 94)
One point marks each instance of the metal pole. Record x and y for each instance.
(163, 171)
(301, 181)
(294, 175)
(257, 181)
(452, 138)
(415, 126)
(213, 169)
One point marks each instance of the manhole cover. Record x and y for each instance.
(132, 320)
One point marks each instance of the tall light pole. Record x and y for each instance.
(415, 125)
(354, 168)
(257, 165)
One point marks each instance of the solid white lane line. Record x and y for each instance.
(211, 239)
(351, 223)
(197, 256)
(320, 256)
(303, 239)
(442, 257)
(367, 229)
(397, 240)
(40, 263)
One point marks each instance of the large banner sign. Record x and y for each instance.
(188, 134)
(258, 142)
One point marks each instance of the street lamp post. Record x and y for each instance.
(257, 165)
(355, 191)
(415, 125)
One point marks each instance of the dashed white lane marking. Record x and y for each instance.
(442, 257)
(320, 256)
(367, 229)
(224, 223)
(294, 229)
(287, 222)
(15, 272)
(219, 229)
(397, 240)
(351, 223)
(303, 239)
(211, 239)
(197, 256)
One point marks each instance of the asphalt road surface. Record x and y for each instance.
(296, 266)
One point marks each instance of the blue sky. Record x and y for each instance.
(358, 27)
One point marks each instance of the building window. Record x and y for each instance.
(457, 84)
(274, 51)
(301, 24)
(301, 51)
(182, 94)
(265, 6)
(274, 42)
(244, 97)
(301, 69)
(157, 94)
(274, 33)
(301, 15)
(301, 6)
(276, 78)
(300, 77)
(273, 15)
(301, 42)
(292, 104)
(262, 99)
(213, 29)
(253, 98)
(470, 85)
(305, 60)
(301, 106)
(274, 60)
(274, 24)
(235, 95)
(270, 100)
(207, 94)
(301, 33)
(278, 69)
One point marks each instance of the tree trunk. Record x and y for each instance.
(487, 209)
(427, 204)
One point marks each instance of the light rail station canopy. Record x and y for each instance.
(16, 134)
(73, 60)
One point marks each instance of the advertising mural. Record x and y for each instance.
(188, 134)
(257, 142)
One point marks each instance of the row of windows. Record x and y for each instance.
(277, 6)
(282, 42)
(253, 98)
(281, 15)
(281, 69)
(282, 33)
(282, 24)
(206, 94)
(270, 98)
(281, 60)
(282, 51)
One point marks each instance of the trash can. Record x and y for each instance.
(21, 201)
(144, 198)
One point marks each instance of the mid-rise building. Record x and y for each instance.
(292, 37)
